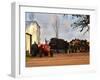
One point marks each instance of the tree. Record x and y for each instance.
(81, 21)
(56, 25)
(31, 17)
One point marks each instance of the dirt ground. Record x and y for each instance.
(58, 59)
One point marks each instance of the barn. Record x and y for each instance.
(32, 34)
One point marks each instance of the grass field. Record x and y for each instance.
(58, 59)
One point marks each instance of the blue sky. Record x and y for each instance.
(47, 23)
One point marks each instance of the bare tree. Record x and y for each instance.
(31, 16)
(56, 25)
(81, 21)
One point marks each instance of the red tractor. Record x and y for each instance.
(45, 50)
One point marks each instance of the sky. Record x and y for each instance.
(48, 21)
